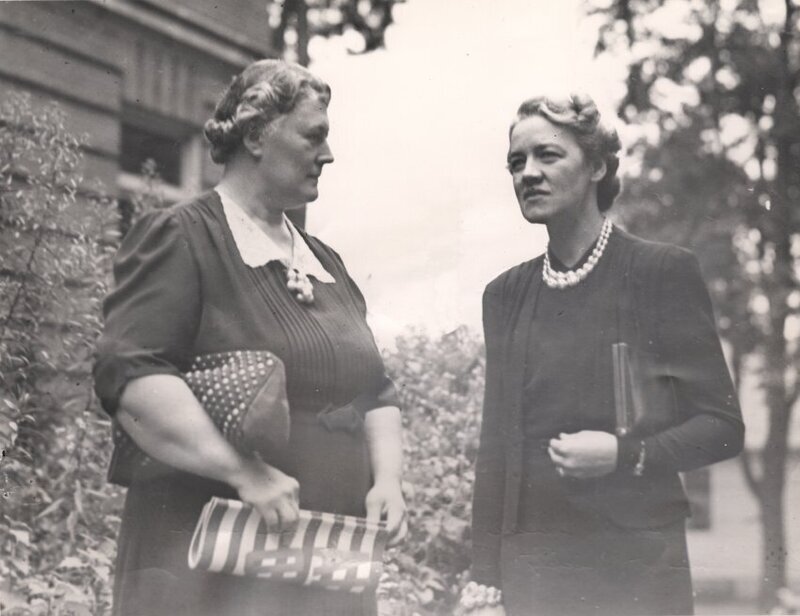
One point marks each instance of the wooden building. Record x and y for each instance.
(138, 77)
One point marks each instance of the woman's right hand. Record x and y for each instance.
(273, 493)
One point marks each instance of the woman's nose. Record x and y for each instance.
(531, 169)
(325, 155)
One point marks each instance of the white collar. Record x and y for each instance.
(257, 249)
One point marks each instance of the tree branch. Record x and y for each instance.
(750, 479)
(22, 286)
(278, 35)
(786, 36)
(301, 25)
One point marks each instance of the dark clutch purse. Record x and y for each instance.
(244, 393)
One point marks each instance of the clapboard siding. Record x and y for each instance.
(173, 81)
(243, 23)
(100, 169)
(160, 78)
(136, 62)
(71, 76)
(76, 30)
(149, 69)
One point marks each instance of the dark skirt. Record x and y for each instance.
(569, 559)
(153, 578)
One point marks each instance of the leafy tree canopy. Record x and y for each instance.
(295, 22)
(713, 99)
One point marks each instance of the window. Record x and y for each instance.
(175, 146)
(138, 145)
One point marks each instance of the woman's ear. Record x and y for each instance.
(253, 142)
(599, 170)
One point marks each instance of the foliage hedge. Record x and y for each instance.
(440, 380)
(58, 515)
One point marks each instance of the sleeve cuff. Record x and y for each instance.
(627, 452)
(112, 375)
(386, 395)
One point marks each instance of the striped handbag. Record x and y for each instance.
(326, 550)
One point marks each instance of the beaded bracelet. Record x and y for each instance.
(475, 596)
(638, 470)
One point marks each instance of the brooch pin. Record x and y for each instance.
(300, 286)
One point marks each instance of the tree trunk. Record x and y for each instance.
(772, 503)
(303, 36)
(778, 229)
(295, 12)
(302, 33)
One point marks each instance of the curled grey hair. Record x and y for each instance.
(263, 91)
(578, 113)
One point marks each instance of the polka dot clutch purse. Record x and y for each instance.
(244, 393)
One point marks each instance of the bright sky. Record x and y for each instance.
(418, 202)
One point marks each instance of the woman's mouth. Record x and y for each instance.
(530, 193)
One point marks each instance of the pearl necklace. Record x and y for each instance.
(562, 280)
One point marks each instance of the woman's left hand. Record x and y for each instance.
(584, 454)
(385, 500)
(385, 443)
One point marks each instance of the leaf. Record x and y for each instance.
(21, 565)
(78, 498)
(72, 522)
(102, 572)
(97, 556)
(8, 432)
(74, 608)
(22, 536)
(425, 596)
(36, 586)
(51, 508)
(71, 562)
(435, 584)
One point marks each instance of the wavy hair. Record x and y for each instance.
(578, 114)
(263, 91)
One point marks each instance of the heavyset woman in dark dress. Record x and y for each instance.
(210, 275)
(568, 517)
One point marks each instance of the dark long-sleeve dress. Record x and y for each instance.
(182, 290)
(615, 544)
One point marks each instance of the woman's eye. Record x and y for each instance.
(516, 164)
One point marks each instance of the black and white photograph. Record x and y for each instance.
(399, 307)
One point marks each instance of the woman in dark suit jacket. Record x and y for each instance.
(568, 517)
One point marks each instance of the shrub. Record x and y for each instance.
(58, 517)
(441, 388)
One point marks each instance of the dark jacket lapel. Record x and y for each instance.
(524, 292)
